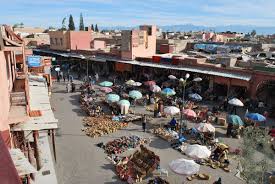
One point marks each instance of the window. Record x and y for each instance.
(61, 41)
(56, 41)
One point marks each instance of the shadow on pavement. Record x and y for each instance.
(159, 144)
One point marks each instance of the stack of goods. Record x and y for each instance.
(142, 163)
(163, 133)
(98, 126)
(122, 144)
(158, 180)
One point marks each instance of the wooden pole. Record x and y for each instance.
(36, 151)
(53, 142)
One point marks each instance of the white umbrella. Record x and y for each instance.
(205, 127)
(130, 82)
(171, 110)
(197, 151)
(155, 89)
(136, 84)
(198, 79)
(184, 167)
(236, 102)
(195, 96)
(172, 77)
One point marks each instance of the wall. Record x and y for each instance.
(59, 35)
(4, 97)
(98, 44)
(80, 40)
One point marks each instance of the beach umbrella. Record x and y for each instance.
(106, 89)
(205, 127)
(236, 102)
(195, 96)
(255, 117)
(155, 88)
(135, 94)
(171, 110)
(136, 84)
(106, 84)
(124, 102)
(189, 113)
(184, 166)
(168, 92)
(198, 79)
(172, 77)
(235, 120)
(150, 83)
(130, 82)
(110, 98)
(197, 151)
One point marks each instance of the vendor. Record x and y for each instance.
(272, 131)
(173, 123)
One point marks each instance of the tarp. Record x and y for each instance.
(34, 61)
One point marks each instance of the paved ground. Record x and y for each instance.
(79, 161)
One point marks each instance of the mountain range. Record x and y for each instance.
(262, 30)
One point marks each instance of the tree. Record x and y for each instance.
(63, 24)
(96, 28)
(21, 25)
(253, 33)
(257, 156)
(81, 23)
(92, 28)
(71, 23)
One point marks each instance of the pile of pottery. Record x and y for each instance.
(139, 165)
(99, 126)
(163, 133)
(124, 143)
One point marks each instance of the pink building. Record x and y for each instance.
(14, 93)
(70, 40)
(138, 43)
(98, 44)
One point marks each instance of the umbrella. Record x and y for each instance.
(106, 89)
(205, 127)
(124, 102)
(168, 92)
(235, 120)
(256, 117)
(189, 113)
(197, 151)
(172, 77)
(198, 79)
(184, 166)
(155, 88)
(150, 83)
(136, 84)
(130, 82)
(135, 94)
(195, 96)
(106, 84)
(171, 110)
(235, 102)
(110, 98)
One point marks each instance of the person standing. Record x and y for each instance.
(144, 123)
(96, 77)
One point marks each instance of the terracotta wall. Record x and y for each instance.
(80, 40)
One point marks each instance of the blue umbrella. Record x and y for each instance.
(106, 84)
(255, 117)
(124, 102)
(235, 120)
(135, 94)
(168, 92)
(110, 98)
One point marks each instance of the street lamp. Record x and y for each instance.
(183, 83)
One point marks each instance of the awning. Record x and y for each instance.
(207, 71)
(21, 163)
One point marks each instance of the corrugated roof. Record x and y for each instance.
(191, 69)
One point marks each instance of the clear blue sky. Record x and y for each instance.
(46, 13)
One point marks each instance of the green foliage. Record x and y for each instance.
(63, 24)
(81, 23)
(253, 33)
(92, 28)
(18, 25)
(96, 28)
(256, 155)
(71, 23)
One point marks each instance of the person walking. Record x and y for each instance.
(144, 123)
(68, 87)
(64, 78)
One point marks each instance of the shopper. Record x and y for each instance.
(144, 123)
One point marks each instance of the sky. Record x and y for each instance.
(45, 13)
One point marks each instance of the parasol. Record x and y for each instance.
(106, 84)
(197, 151)
(171, 110)
(205, 127)
(135, 94)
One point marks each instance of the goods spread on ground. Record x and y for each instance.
(165, 134)
(124, 143)
(98, 126)
(158, 180)
(140, 164)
